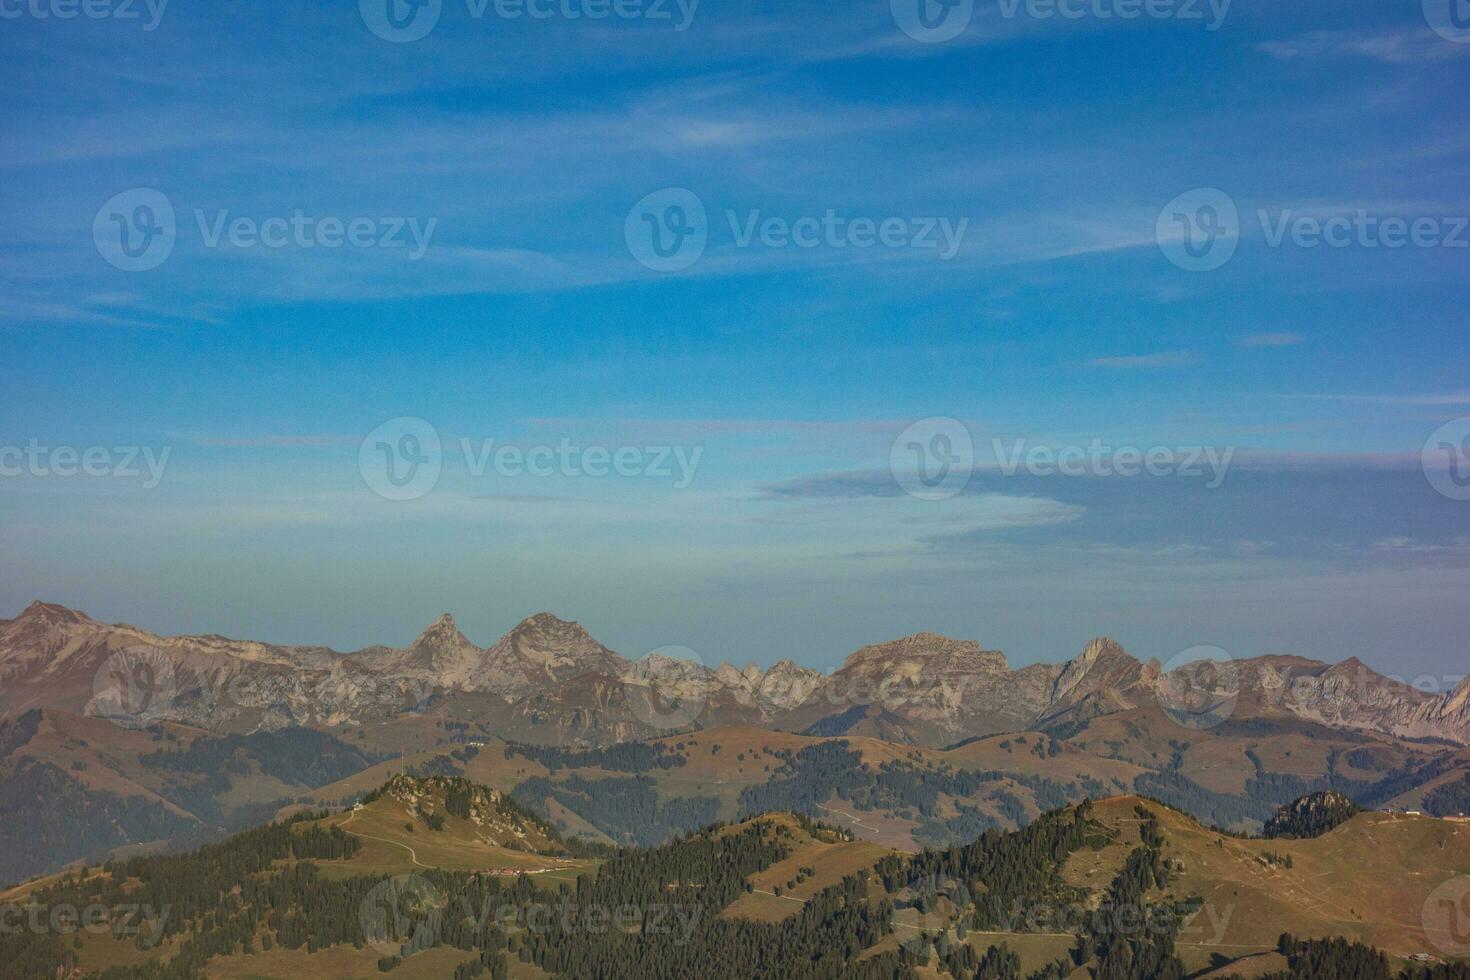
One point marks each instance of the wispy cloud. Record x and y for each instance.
(1395, 47)
(1272, 340)
(1453, 398)
(1162, 359)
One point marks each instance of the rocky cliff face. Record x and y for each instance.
(550, 677)
(954, 687)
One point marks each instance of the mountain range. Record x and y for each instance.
(549, 681)
(115, 739)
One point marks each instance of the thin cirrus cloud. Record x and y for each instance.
(1393, 47)
(1448, 399)
(1272, 340)
(1161, 359)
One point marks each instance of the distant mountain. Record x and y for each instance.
(548, 680)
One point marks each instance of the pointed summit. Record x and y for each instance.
(543, 650)
(440, 626)
(442, 632)
(1099, 675)
(443, 652)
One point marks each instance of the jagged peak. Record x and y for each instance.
(1101, 657)
(1101, 646)
(441, 631)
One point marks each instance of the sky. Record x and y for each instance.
(762, 329)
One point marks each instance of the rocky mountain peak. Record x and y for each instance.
(1100, 676)
(1458, 701)
(443, 653)
(545, 622)
(544, 649)
(442, 630)
(928, 651)
(50, 613)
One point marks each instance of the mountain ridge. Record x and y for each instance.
(935, 689)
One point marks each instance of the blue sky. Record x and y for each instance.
(518, 147)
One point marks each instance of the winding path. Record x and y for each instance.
(357, 833)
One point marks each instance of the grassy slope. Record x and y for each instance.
(389, 847)
(831, 861)
(1367, 880)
